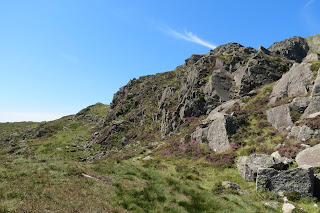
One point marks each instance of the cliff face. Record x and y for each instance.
(164, 101)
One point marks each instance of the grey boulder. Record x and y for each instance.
(219, 132)
(299, 180)
(280, 117)
(249, 165)
(309, 156)
(313, 109)
(230, 185)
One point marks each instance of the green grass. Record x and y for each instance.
(15, 126)
(315, 66)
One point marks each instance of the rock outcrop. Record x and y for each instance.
(295, 48)
(298, 81)
(314, 43)
(299, 180)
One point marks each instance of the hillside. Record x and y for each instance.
(167, 142)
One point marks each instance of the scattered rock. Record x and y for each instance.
(272, 204)
(230, 185)
(288, 208)
(249, 165)
(280, 117)
(299, 180)
(303, 133)
(124, 141)
(147, 158)
(309, 156)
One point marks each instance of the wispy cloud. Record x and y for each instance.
(70, 58)
(309, 3)
(28, 116)
(308, 14)
(188, 36)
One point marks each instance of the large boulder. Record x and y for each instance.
(299, 180)
(219, 132)
(248, 165)
(296, 82)
(295, 48)
(309, 156)
(280, 117)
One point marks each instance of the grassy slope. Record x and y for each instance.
(48, 175)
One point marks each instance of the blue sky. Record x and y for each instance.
(59, 56)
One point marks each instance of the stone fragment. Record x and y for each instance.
(230, 185)
(272, 204)
(300, 180)
(288, 208)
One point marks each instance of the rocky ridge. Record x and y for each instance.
(234, 102)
